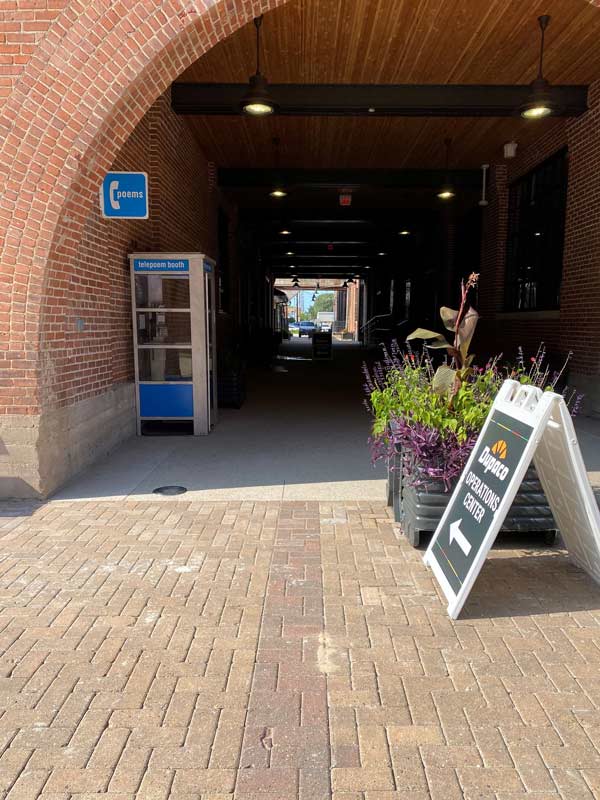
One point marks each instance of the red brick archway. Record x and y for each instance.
(83, 89)
(76, 78)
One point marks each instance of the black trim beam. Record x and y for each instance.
(232, 178)
(402, 100)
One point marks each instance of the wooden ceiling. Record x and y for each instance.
(394, 41)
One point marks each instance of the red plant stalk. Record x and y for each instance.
(462, 311)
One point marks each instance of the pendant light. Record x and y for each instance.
(257, 101)
(447, 190)
(278, 191)
(539, 104)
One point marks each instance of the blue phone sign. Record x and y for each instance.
(124, 195)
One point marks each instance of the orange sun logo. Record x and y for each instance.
(500, 449)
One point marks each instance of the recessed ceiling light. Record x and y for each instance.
(403, 233)
(446, 193)
(289, 253)
(285, 232)
(278, 193)
(537, 233)
(381, 254)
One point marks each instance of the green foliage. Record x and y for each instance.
(408, 392)
(324, 302)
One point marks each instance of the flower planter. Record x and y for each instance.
(394, 476)
(421, 508)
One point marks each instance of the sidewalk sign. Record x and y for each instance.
(322, 346)
(524, 423)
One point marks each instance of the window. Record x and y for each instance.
(536, 228)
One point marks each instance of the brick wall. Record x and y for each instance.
(91, 287)
(24, 25)
(576, 326)
(72, 92)
(580, 294)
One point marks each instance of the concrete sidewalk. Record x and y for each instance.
(285, 651)
(301, 435)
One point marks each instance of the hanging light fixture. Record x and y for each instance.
(447, 190)
(539, 103)
(257, 101)
(278, 191)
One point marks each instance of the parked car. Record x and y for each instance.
(307, 328)
(294, 329)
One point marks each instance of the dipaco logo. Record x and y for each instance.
(500, 449)
(492, 459)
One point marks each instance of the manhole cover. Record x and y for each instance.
(170, 490)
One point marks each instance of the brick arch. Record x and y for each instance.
(87, 85)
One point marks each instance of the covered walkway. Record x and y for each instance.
(301, 435)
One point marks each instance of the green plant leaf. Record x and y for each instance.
(443, 380)
(423, 333)
(448, 316)
(466, 330)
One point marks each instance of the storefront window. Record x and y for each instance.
(536, 226)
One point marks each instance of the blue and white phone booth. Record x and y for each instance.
(174, 340)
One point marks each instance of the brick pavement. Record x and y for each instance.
(244, 650)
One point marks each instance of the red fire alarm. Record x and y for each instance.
(330, 247)
(345, 199)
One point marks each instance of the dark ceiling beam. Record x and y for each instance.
(234, 178)
(284, 243)
(404, 100)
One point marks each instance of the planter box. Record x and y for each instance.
(420, 508)
(231, 389)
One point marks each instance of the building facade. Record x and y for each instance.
(84, 88)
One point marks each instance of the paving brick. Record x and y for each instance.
(253, 677)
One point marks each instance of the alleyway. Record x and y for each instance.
(284, 650)
(301, 435)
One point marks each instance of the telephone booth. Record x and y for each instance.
(174, 342)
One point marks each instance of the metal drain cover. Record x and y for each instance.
(170, 490)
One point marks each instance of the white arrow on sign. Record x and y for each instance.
(456, 535)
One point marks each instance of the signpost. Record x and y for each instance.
(124, 195)
(523, 422)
